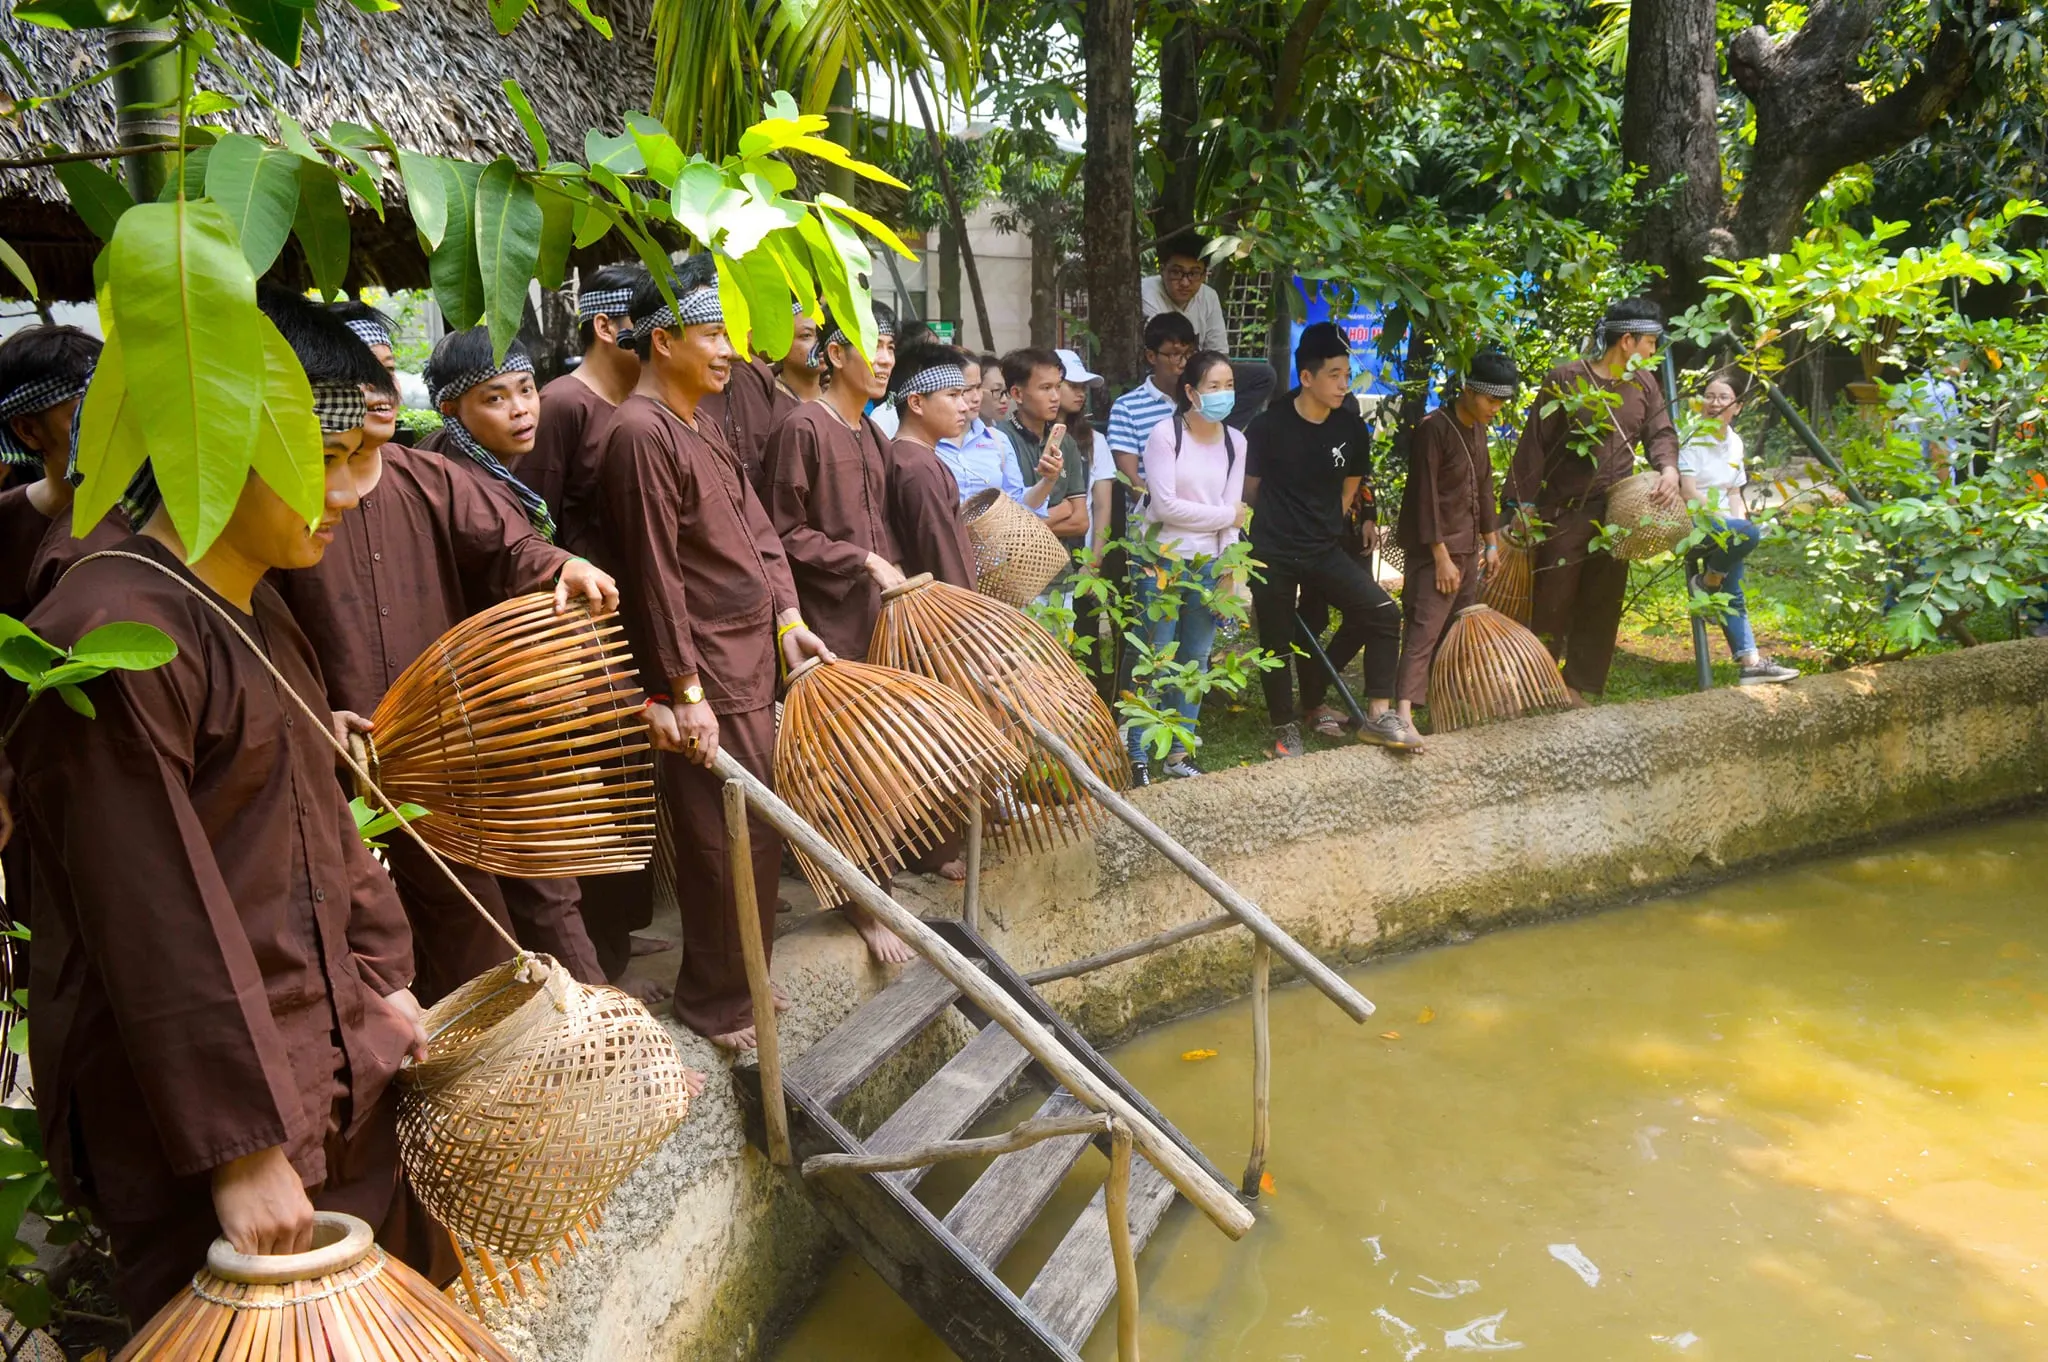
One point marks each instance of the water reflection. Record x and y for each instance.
(1804, 1116)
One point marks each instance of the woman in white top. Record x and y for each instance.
(1194, 468)
(1710, 471)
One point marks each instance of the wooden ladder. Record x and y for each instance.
(944, 1264)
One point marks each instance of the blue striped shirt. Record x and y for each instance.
(1132, 416)
(980, 459)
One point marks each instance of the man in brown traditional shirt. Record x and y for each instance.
(826, 475)
(709, 606)
(1588, 419)
(1447, 518)
(755, 402)
(573, 409)
(428, 546)
(221, 970)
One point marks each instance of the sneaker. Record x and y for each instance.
(1286, 741)
(1764, 672)
(1141, 773)
(1181, 765)
(1390, 730)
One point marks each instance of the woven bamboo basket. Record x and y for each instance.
(1489, 668)
(1015, 557)
(344, 1301)
(981, 648)
(539, 1095)
(1510, 585)
(1651, 526)
(884, 763)
(519, 731)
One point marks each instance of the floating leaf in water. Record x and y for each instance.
(1266, 1184)
(1390, 1035)
(1196, 1056)
(1569, 1255)
(1480, 1336)
(1425, 1016)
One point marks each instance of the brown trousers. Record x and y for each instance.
(451, 944)
(1426, 616)
(614, 907)
(1578, 596)
(711, 986)
(547, 916)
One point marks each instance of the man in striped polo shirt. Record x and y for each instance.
(1169, 340)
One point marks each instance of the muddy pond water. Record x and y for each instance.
(1803, 1116)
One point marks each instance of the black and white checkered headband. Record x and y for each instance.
(698, 307)
(29, 399)
(883, 327)
(369, 331)
(604, 302)
(1633, 326)
(936, 379)
(514, 363)
(1491, 389)
(339, 406)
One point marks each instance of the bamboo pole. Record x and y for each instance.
(1116, 1199)
(1021, 1136)
(1216, 1201)
(970, 897)
(1262, 1065)
(739, 852)
(1172, 936)
(1353, 1003)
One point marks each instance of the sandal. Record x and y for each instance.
(1327, 723)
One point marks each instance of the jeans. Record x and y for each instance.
(1194, 630)
(1742, 538)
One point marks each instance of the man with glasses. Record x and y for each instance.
(1182, 286)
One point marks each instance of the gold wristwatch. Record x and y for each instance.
(691, 695)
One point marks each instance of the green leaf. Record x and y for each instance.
(126, 646)
(458, 286)
(206, 103)
(426, 194)
(74, 699)
(596, 21)
(278, 26)
(700, 188)
(195, 177)
(760, 277)
(732, 298)
(287, 454)
(874, 225)
(73, 14)
(98, 197)
(257, 186)
(663, 157)
(618, 154)
(16, 266)
(508, 224)
(110, 444)
(184, 303)
(506, 14)
(375, 6)
(372, 823)
(321, 223)
(536, 135)
(24, 660)
(353, 143)
(557, 232)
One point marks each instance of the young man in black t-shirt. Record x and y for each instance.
(1306, 457)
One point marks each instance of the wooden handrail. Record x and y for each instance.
(1172, 936)
(1020, 1136)
(739, 852)
(1216, 1201)
(1350, 1000)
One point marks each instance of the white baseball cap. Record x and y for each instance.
(1076, 371)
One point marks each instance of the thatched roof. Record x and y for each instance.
(430, 73)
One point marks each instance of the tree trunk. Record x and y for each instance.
(839, 115)
(1109, 233)
(949, 279)
(953, 211)
(1668, 108)
(1280, 330)
(1045, 285)
(1180, 108)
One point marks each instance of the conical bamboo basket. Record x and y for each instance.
(1015, 556)
(1489, 667)
(539, 1095)
(1650, 526)
(884, 763)
(519, 731)
(981, 648)
(1510, 585)
(344, 1301)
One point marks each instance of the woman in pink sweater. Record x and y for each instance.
(1194, 472)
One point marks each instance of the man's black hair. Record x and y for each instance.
(327, 350)
(990, 363)
(694, 273)
(1494, 367)
(625, 275)
(1163, 328)
(1319, 344)
(1186, 244)
(356, 310)
(1019, 365)
(925, 352)
(35, 353)
(1636, 310)
(462, 352)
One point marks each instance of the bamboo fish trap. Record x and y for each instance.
(344, 1301)
(1489, 668)
(1649, 526)
(981, 648)
(1015, 556)
(538, 1097)
(520, 732)
(884, 763)
(1509, 585)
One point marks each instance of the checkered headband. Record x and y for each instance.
(515, 363)
(604, 302)
(1632, 326)
(698, 307)
(339, 406)
(1491, 389)
(31, 398)
(369, 331)
(336, 406)
(936, 379)
(883, 327)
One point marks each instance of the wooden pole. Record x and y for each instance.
(1216, 1201)
(1116, 1200)
(1262, 1065)
(1172, 936)
(1021, 1136)
(970, 898)
(739, 852)
(1264, 928)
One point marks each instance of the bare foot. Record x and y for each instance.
(650, 945)
(781, 998)
(1576, 700)
(693, 1082)
(954, 870)
(742, 1039)
(648, 991)
(884, 945)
